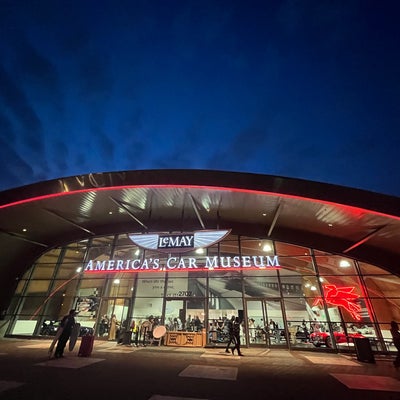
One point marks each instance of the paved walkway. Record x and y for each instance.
(167, 373)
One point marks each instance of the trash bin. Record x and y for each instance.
(364, 350)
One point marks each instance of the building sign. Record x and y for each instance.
(183, 264)
(181, 243)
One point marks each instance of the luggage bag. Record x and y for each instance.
(86, 347)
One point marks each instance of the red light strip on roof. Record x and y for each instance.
(350, 209)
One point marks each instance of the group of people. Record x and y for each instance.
(143, 331)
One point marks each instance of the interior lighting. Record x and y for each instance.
(110, 212)
(24, 230)
(79, 269)
(117, 281)
(267, 248)
(313, 288)
(137, 252)
(344, 264)
(200, 250)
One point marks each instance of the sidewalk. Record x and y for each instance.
(173, 373)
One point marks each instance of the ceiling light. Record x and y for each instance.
(24, 230)
(267, 247)
(344, 264)
(117, 281)
(200, 250)
(313, 288)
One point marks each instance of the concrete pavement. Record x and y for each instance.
(168, 373)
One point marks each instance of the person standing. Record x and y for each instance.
(394, 330)
(112, 334)
(236, 336)
(67, 323)
(230, 333)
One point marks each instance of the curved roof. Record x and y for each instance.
(353, 222)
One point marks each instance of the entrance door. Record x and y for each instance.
(265, 322)
(184, 314)
(109, 307)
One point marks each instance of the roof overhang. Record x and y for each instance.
(356, 223)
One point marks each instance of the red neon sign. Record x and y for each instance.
(342, 297)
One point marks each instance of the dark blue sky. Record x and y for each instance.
(303, 89)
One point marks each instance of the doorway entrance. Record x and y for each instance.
(184, 314)
(266, 323)
(109, 307)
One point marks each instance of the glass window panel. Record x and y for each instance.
(383, 285)
(146, 306)
(300, 286)
(386, 310)
(74, 254)
(299, 320)
(368, 269)
(335, 265)
(229, 285)
(103, 240)
(37, 287)
(20, 286)
(256, 247)
(262, 286)
(43, 271)
(69, 270)
(342, 281)
(31, 305)
(50, 257)
(150, 287)
(298, 264)
(286, 249)
(229, 246)
(190, 287)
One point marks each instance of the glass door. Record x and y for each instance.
(265, 322)
(184, 314)
(112, 316)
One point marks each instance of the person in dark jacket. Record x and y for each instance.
(236, 336)
(67, 323)
(394, 330)
(230, 333)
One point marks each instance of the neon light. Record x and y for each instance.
(342, 297)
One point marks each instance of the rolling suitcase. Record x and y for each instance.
(86, 347)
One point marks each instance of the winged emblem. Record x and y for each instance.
(181, 242)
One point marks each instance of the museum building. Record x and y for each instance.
(304, 265)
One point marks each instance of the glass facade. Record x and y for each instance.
(311, 300)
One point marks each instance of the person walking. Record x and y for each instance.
(67, 323)
(394, 330)
(230, 333)
(236, 336)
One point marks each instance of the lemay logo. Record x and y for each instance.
(178, 242)
(181, 243)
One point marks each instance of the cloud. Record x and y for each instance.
(15, 171)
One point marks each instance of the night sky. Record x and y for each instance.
(303, 89)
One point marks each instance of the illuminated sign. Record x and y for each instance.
(181, 243)
(179, 264)
(342, 297)
(174, 243)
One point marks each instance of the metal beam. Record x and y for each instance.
(196, 211)
(70, 222)
(366, 238)
(276, 215)
(129, 212)
(15, 235)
